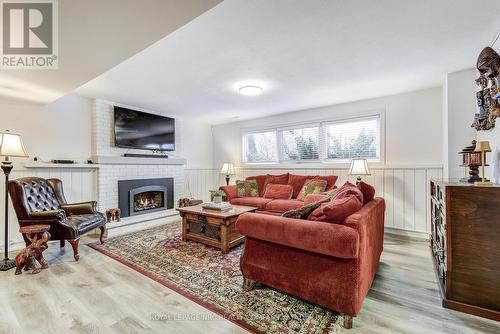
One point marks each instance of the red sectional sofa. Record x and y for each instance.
(275, 206)
(332, 265)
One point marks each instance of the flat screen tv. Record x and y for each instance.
(137, 129)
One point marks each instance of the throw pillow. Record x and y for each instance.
(278, 191)
(297, 182)
(368, 192)
(348, 189)
(330, 181)
(276, 179)
(247, 188)
(304, 211)
(311, 186)
(261, 179)
(338, 210)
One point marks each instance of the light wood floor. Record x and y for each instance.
(99, 295)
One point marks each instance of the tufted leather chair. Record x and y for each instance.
(41, 201)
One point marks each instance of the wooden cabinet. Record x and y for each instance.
(465, 244)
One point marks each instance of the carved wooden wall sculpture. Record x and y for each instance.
(488, 98)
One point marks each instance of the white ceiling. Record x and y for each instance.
(94, 36)
(303, 53)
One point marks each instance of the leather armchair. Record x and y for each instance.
(41, 201)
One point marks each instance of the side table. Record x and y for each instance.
(38, 235)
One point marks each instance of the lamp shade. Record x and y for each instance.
(227, 169)
(11, 145)
(359, 167)
(483, 146)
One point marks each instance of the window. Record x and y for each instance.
(331, 141)
(353, 138)
(260, 147)
(299, 144)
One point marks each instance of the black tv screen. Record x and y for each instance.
(136, 129)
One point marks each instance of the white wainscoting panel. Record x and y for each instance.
(198, 182)
(405, 189)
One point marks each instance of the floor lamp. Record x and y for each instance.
(11, 145)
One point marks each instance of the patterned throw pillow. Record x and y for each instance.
(312, 186)
(304, 211)
(247, 188)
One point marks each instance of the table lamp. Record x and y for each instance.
(11, 145)
(228, 170)
(359, 167)
(483, 147)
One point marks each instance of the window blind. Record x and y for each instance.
(298, 144)
(353, 138)
(260, 147)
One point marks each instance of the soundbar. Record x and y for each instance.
(134, 155)
(61, 161)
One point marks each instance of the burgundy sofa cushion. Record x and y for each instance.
(261, 179)
(282, 205)
(317, 214)
(367, 190)
(278, 191)
(348, 189)
(256, 202)
(323, 238)
(276, 179)
(231, 191)
(336, 211)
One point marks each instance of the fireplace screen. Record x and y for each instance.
(149, 200)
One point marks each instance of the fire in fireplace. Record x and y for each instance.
(149, 200)
(142, 196)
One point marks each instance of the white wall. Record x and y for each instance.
(458, 111)
(413, 127)
(60, 130)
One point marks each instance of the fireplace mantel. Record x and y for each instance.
(118, 160)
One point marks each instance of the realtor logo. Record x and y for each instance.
(29, 34)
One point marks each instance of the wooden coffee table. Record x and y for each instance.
(212, 227)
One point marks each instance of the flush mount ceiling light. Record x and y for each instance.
(250, 90)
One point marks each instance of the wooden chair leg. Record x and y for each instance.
(74, 244)
(62, 243)
(347, 321)
(103, 230)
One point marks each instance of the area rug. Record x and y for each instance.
(213, 280)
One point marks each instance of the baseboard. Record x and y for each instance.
(408, 235)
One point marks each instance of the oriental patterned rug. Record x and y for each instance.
(213, 280)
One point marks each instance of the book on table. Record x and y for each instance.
(217, 206)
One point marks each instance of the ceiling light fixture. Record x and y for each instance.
(250, 90)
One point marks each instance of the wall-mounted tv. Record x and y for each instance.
(140, 130)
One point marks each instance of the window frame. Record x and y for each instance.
(322, 124)
(325, 125)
